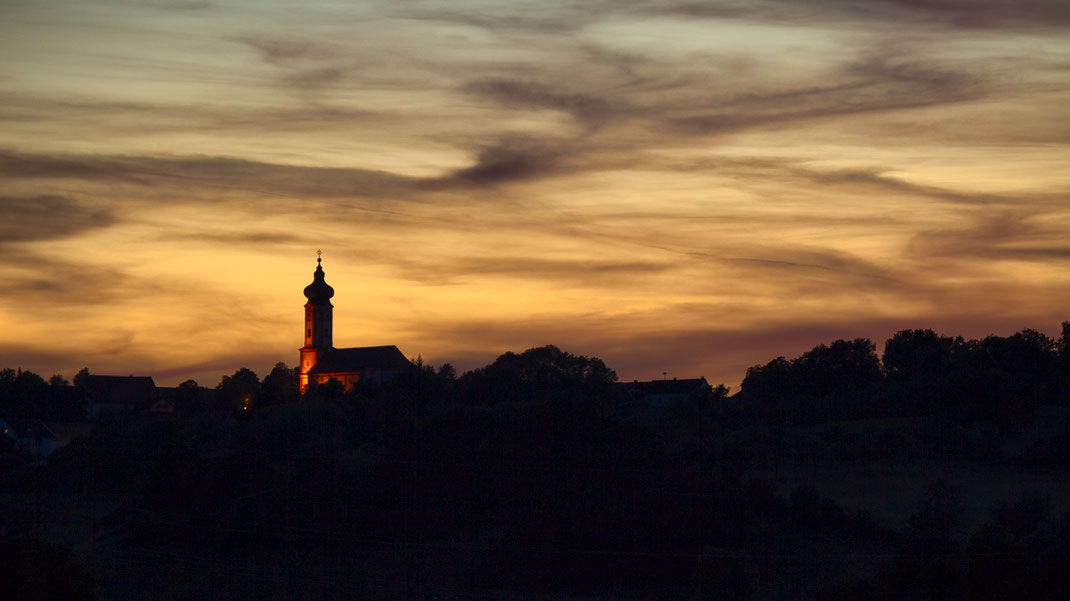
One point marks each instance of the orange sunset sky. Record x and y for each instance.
(681, 187)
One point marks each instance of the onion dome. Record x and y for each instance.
(318, 292)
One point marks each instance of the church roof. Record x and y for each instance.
(355, 359)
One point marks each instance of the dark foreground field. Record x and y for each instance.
(757, 528)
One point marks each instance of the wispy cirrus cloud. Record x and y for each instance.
(944, 14)
(1007, 235)
(271, 180)
(582, 272)
(874, 86)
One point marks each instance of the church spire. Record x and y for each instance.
(318, 292)
(319, 315)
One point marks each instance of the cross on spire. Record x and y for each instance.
(319, 254)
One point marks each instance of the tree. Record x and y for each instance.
(57, 380)
(918, 355)
(845, 366)
(190, 397)
(842, 371)
(80, 379)
(1064, 340)
(1025, 364)
(771, 382)
(27, 396)
(447, 372)
(279, 386)
(541, 373)
(1062, 367)
(332, 389)
(7, 391)
(238, 392)
(919, 365)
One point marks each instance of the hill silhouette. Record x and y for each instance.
(837, 474)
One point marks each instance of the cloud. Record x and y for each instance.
(575, 272)
(880, 14)
(871, 86)
(534, 18)
(244, 238)
(506, 160)
(840, 269)
(34, 279)
(313, 78)
(988, 14)
(874, 180)
(49, 217)
(512, 159)
(42, 361)
(210, 172)
(304, 64)
(209, 372)
(1007, 235)
(585, 108)
(28, 166)
(282, 51)
(88, 116)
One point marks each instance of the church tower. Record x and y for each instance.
(318, 326)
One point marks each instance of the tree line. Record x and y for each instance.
(996, 380)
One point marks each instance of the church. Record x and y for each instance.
(320, 361)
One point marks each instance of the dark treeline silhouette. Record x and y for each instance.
(539, 476)
(24, 394)
(995, 380)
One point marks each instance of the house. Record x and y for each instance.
(659, 393)
(119, 393)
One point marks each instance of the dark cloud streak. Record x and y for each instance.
(879, 14)
(48, 218)
(574, 272)
(278, 51)
(43, 281)
(587, 109)
(996, 236)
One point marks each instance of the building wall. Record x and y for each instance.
(348, 379)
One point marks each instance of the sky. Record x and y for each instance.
(682, 189)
